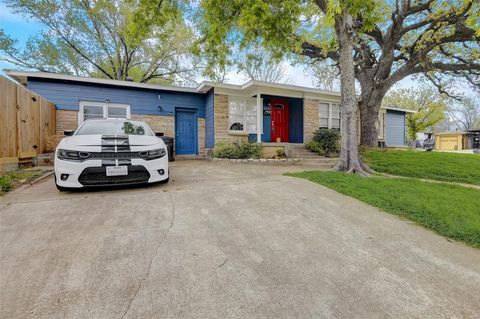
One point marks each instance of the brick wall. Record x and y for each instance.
(201, 137)
(165, 124)
(221, 121)
(311, 120)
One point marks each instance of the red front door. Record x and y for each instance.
(279, 125)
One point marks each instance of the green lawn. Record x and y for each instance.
(451, 167)
(450, 210)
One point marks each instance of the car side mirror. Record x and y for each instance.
(159, 134)
(68, 132)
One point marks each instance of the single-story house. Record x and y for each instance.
(457, 141)
(199, 117)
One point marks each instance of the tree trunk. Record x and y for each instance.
(368, 121)
(372, 97)
(349, 157)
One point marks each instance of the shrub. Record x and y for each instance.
(326, 141)
(280, 154)
(51, 142)
(233, 149)
(315, 147)
(6, 183)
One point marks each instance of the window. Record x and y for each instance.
(335, 116)
(324, 114)
(115, 127)
(92, 112)
(236, 107)
(330, 115)
(95, 110)
(242, 114)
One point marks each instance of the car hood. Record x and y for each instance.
(99, 140)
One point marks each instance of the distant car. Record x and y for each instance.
(110, 152)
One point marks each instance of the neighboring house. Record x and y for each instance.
(200, 117)
(457, 141)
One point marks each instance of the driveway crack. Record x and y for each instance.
(147, 274)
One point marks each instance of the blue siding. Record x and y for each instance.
(395, 128)
(209, 120)
(295, 121)
(66, 96)
(267, 122)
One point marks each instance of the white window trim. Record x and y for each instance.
(104, 105)
(330, 114)
(244, 115)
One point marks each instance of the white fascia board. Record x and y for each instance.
(22, 76)
(252, 87)
(392, 108)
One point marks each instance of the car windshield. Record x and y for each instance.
(114, 127)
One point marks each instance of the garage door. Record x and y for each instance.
(395, 128)
(448, 143)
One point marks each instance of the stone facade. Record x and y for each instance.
(66, 120)
(221, 121)
(201, 137)
(165, 124)
(311, 118)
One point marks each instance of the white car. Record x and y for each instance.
(109, 152)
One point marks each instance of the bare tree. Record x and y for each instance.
(326, 75)
(258, 64)
(465, 113)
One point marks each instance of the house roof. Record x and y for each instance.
(250, 87)
(451, 133)
(393, 108)
(22, 77)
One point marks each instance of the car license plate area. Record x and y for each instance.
(117, 170)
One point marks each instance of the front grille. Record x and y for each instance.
(114, 155)
(97, 176)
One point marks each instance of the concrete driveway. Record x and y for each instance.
(224, 241)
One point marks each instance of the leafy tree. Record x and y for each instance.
(148, 41)
(430, 107)
(465, 113)
(391, 40)
(247, 22)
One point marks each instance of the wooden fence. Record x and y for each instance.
(27, 121)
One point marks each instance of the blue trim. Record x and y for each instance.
(210, 120)
(295, 120)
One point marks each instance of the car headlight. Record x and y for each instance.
(153, 154)
(74, 156)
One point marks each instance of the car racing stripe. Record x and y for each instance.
(115, 143)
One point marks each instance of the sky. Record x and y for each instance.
(21, 28)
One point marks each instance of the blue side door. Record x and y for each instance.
(185, 132)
